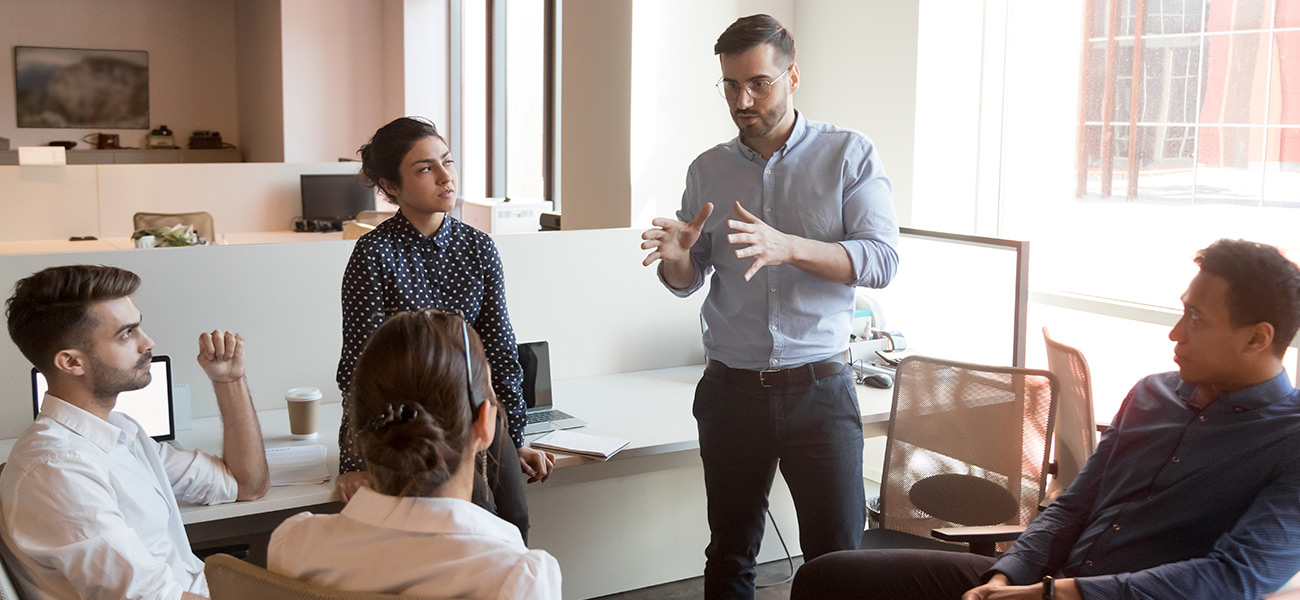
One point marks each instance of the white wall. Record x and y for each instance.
(858, 61)
(260, 69)
(595, 114)
(191, 45)
(676, 110)
(426, 46)
(334, 77)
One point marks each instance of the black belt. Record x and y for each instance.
(802, 374)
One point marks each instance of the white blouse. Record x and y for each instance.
(416, 546)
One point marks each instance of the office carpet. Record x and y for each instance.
(693, 589)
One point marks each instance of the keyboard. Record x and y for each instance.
(546, 416)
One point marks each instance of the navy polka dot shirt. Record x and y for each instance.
(395, 268)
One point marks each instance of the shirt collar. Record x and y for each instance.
(405, 231)
(81, 422)
(1266, 393)
(428, 515)
(797, 135)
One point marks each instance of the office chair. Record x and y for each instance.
(1074, 435)
(967, 447)
(7, 589)
(232, 579)
(374, 217)
(201, 221)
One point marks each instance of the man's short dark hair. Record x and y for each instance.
(752, 31)
(49, 310)
(1263, 286)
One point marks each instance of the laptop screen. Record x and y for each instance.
(535, 358)
(151, 405)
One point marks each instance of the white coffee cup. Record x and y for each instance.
(304, 406)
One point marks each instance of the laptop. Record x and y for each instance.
(535, 358)
(151, 406)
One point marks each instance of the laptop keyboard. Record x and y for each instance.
(545, 416)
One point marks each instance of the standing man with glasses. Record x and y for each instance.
(812, 218)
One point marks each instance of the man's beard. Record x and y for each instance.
(767, 120)
(107, 382)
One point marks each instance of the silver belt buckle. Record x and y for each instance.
(762, 376)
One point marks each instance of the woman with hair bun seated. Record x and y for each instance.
(423, 412)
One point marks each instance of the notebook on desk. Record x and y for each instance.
(535, 358)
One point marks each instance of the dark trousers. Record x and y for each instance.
(890, 574)
(813, 430)
(505, 479)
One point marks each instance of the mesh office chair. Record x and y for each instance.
(7, 589)
(232, 579)
(967, 447)
(201, 221)
(1074, 436)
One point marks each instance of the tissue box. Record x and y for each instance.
(496, 215)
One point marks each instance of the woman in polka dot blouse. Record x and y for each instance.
(424, 258)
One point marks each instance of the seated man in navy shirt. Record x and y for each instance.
(1194, 491)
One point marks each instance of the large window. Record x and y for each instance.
(1215, 115)
(503, 95)
(1039, 128)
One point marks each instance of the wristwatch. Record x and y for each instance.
(1049, 588)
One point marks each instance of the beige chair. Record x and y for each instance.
(374, 217)
(232, 579)
(1074, 435)
(201, 221)
(7, 589)
(968, 448)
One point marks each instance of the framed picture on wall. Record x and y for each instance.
(72, 87)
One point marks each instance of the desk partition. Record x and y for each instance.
(960, 297)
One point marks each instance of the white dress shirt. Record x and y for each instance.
(89, 508)
(419, 546)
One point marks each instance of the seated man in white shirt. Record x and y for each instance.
(88, 500)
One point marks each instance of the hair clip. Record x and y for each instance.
(389, 414)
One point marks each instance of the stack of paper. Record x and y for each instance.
(297, 465)
(598, 446)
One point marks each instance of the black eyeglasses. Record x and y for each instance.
(475, 398)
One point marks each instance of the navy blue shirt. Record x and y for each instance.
(1178, 502)
(396, 268)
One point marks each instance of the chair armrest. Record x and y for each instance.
(991, 533)
(982, 540)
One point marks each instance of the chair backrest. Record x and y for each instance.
(201, 221)
(968, 445)
(7, 589)
(1075, 433)
(232, 579)
(374, 217)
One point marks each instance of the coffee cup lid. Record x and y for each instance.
(303, 394)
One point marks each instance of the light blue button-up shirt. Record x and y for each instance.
(825, 184)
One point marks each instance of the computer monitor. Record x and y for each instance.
(151, 406)
(335, 198)
(959, 297)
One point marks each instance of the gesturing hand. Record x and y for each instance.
(767, 245)
(221, 354)
(671, 240)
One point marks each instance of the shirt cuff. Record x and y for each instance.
(684, 292)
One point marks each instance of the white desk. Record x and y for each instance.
(643, 507)
(126, 243)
